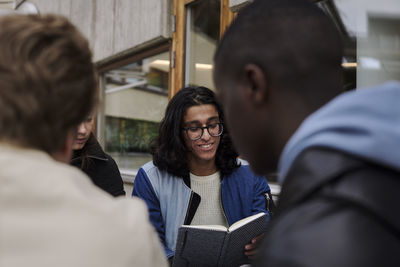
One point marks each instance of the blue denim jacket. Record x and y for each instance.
(172, 203)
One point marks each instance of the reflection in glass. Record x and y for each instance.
(349, 62)
(136, 96)
(203, 23)
(371, 33)
(379, 50)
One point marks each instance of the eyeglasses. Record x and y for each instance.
(87, 120)
(195, 133)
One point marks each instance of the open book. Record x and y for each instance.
(216, 245)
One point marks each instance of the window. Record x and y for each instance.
(135, 96)
(202, 35)
(199, 26)
(372, 40)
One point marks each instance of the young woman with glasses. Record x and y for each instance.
(195, 176)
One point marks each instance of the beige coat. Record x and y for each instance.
(52, 215)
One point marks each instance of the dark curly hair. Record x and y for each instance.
(169, 150)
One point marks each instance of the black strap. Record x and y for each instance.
(270, 205)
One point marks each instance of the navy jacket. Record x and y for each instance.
(172, 203)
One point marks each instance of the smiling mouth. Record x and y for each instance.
(206, 146)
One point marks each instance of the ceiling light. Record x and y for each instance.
(160, 62)
(204, 66)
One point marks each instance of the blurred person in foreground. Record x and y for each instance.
(338, 154)
(195, 177)
(90, 158)
(51, 213)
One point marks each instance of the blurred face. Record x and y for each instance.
(248, 123)
(83, 133)
(238, 120)
(204, 148)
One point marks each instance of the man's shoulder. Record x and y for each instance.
(327, 173)
(320, 167)
(128, 214)
(321, 209)
(325, 233)
(126, 221)
(330, 230)
(58, 204)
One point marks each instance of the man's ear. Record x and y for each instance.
(257, 82)
(64, 153)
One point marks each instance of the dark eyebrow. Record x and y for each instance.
(213, 118)
(209, 119)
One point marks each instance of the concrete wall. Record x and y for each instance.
(236, 5)
(113, 26)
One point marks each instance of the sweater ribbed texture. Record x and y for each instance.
(210, 210)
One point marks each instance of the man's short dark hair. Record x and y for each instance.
(292, 41)
(47, 80)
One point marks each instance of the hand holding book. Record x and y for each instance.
(215, 245)
(251, 248)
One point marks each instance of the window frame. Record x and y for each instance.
(125, 58)
(178, 50)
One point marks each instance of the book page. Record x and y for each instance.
(244, 221)
(208, 227)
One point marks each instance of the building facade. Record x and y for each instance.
(146, 50)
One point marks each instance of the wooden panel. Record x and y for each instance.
(178, 47)
(178, 40)
(160, 46)
(226, 17)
